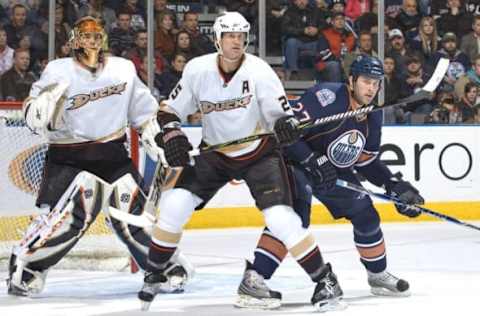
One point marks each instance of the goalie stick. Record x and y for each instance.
(423, 93)
(386, 197)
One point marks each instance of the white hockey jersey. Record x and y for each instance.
(248, 104)
(99, 106)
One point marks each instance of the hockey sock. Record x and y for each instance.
(162, 248)
(368, 238)
(269, 254)
(308, 256)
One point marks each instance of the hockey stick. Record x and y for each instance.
(386, 197)
(423, 93)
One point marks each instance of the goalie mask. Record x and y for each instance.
(230, 22)
(87, 39)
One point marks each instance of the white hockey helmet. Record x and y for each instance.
(230, 22)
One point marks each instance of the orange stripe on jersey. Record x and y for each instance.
(273, 246)
(372, 252)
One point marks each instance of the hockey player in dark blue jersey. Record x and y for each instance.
(332, 151)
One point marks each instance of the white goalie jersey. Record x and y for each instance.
(248, 104)
(100, 106)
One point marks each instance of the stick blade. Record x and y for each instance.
(438, 74)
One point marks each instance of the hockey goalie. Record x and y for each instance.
(83, 105)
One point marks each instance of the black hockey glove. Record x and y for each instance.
(406, 193)
(174, 142)
(322, 173)
(286, 130)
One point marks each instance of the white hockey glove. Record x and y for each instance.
(45, 110)
(149, 132)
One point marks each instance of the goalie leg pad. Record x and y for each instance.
(127, 197)
(51, 236)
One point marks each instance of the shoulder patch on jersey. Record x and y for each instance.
(346, 149)
(325, 96)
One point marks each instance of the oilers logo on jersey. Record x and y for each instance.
(345, 150)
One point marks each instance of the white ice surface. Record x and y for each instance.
(440, 260)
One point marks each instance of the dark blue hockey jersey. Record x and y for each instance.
(352, 142)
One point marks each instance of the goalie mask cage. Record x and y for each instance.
(21, 165)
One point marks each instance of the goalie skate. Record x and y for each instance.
(386, 284)
(254, 293)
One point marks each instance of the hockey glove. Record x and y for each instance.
(287, 130)
(406, 193)
(322, 173)
(174, 142)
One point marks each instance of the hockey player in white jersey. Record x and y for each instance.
(238, 95)
(83, 106)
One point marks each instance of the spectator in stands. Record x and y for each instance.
(275, 11)
(355, 8)
(415, 78)
(169, 78)
(470, 43)
(301, 27)
(427, 42)
(392, 8)
(62, 28)
(15, 84)
(26, 44)
(446, 112)
(468, 102)
(368, 21)
(472, 7)
(456, 20)
(340, 41)
(18, 27)
(97, 9)
(472, 75)
(6, 53)
(398, 50)
(476, 117)
(63, 51)
(164, 37)
(200, 42)
(364, 46)
(122, 37)
(142, 72)
(70, 9)
(183, 45)
(160, 7)
(459, 61)
(139, 51)
(248, 8)
(392, 92)
(39, 65)
(409, 18)
(195, 119)
(137, 12)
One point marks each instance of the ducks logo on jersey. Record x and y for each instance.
(242, 102)
(344, 151)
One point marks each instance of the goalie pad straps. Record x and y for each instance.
(127, 197)
(50, 237)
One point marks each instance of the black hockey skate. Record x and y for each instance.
(254, 293)
(328, 295)
(386, 284)
(170, 280)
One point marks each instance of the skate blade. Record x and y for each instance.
(336, 304)
(380, 291)
(145, 306)
(246, 301)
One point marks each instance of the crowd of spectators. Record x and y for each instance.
(317, 39)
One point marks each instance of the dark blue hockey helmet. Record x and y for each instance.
(369, 66)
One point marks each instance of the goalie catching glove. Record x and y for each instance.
(43, 111)
(405, 192)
